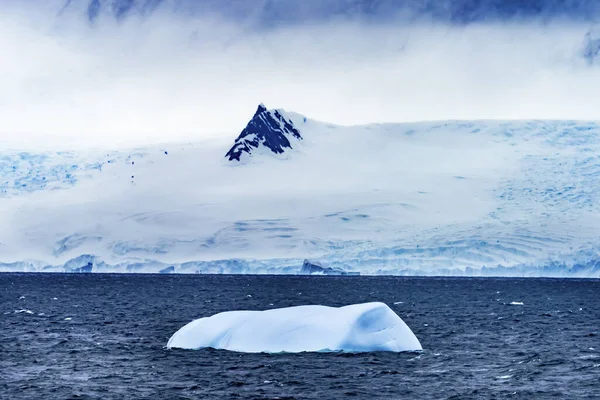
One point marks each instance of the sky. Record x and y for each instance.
(165, 77)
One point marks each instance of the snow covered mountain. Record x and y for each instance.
(437, 198)
(267, 129)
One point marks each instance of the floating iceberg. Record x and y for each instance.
(354, 328)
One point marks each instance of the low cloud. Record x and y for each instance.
(168, 77)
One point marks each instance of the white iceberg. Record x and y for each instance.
(354, 328)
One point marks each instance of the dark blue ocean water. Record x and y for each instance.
(89, 336)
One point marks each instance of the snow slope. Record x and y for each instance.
(444, 198)
(356, 328)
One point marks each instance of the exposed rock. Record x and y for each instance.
(268, 128)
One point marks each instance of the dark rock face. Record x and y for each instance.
(313, 267)
(267, 128)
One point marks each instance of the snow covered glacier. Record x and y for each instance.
(437, 198)
(355, 328)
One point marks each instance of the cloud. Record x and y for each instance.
(169, 77)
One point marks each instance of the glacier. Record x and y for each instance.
(465, 198)
(354, 328)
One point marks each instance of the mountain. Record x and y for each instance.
(267, 129)
(510, 198)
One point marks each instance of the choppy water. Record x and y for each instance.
(103, 336)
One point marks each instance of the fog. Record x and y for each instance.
(65, 81)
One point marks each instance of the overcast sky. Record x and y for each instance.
(172, 78)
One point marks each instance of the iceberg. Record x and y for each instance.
(355, 328)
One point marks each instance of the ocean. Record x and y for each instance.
(103, 336)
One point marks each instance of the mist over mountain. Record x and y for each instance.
(137, 72)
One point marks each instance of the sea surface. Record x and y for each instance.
(97, 336)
